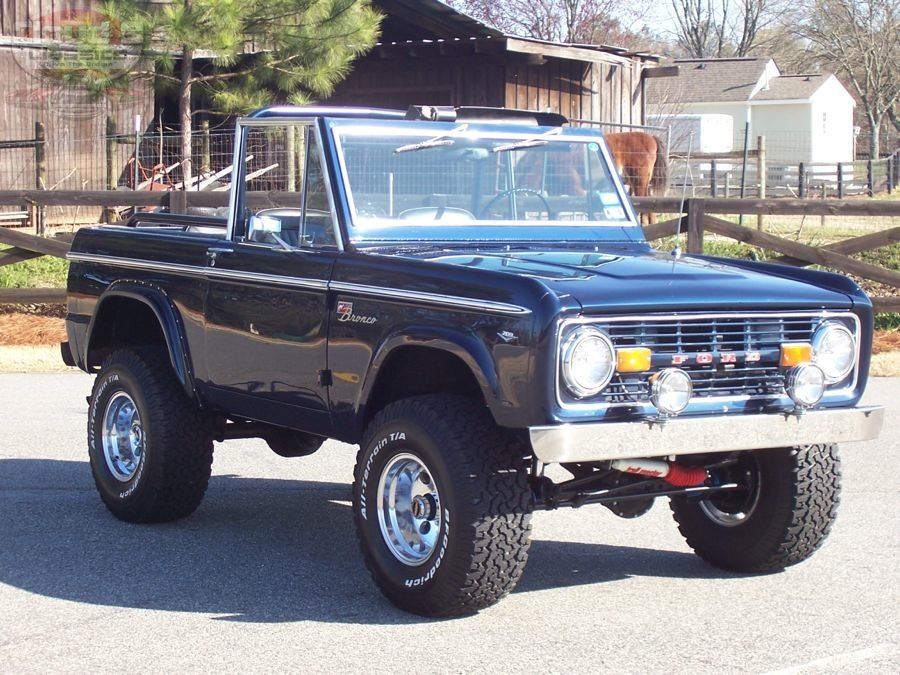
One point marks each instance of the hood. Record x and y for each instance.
(649, 280)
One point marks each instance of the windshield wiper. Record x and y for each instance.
(526, 142)
(436, 142)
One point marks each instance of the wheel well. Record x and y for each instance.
(416, 371)
(123, 322)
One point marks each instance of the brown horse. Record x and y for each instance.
(641, 161)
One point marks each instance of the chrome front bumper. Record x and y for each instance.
(594, 442)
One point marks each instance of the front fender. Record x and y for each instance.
(472, 351)
(169, 320)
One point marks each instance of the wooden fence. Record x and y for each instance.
(724, 175)
(698, 217)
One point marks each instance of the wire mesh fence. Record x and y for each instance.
(152, 160)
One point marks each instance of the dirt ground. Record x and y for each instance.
(29, 342)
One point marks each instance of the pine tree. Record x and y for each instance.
(242, 54)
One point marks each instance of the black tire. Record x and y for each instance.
(480, 474)
(788, 515)
(172, 472)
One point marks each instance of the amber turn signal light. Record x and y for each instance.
(633, 359)
(795, 353)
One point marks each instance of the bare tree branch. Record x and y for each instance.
(860, 39)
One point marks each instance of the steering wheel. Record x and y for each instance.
(508, 193)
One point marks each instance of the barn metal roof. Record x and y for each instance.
(424, 21)
(428, 20)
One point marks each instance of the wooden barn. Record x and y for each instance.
(73, 122)
(430, 53)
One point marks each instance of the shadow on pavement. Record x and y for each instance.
(257, 550)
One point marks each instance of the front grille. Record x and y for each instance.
(726, 356)
(673, 336)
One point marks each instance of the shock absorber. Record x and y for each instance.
(671, 472)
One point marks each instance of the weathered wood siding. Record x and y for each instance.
(434, 81)
(41, 18)
(75, 124)
(598, 91)
(595, 91)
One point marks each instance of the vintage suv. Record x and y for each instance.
(466, 294)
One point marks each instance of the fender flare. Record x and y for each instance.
(169, 320)
(468, 348)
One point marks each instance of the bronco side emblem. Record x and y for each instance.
(345, 313)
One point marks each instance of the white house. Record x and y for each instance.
(805, 118)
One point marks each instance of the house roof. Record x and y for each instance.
(791, 87)
(710, 80)
(732, 80)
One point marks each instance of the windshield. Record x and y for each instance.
(430, 181)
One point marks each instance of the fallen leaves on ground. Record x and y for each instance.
(18, 329)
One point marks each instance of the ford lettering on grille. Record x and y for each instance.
(726, 356)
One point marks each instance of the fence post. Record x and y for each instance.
(801, 187)
(840, 180)
(870, 182)
(897, 168)
(177, 201)
(205, 161)
(291, 142)
(40, 173)
(713, 187)
(761, 176)
(112, 180)
(890, 173)
(694, 208)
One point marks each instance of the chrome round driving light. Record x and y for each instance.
(671, 390)
(805, 384)
(588, 361)
(834, 351)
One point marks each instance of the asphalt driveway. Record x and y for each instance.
(266, 575)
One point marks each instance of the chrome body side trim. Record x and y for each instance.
(450, 301)
(595, 442)
(430, 298)
(129, 263)
(197, 271)
(276, 279)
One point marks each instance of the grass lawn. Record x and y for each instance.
(50, 272)
(43, 272)
(811, 233)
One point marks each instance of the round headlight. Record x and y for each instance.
(834, 351)
(588, 361)
(671, 390)
(806, 384)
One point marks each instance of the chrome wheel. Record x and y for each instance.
(123, 437)
(409, 509)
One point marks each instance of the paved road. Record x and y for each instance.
(266, 577)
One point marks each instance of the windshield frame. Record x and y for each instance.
(481, 231)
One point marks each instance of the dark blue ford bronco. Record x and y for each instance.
(468, 295)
